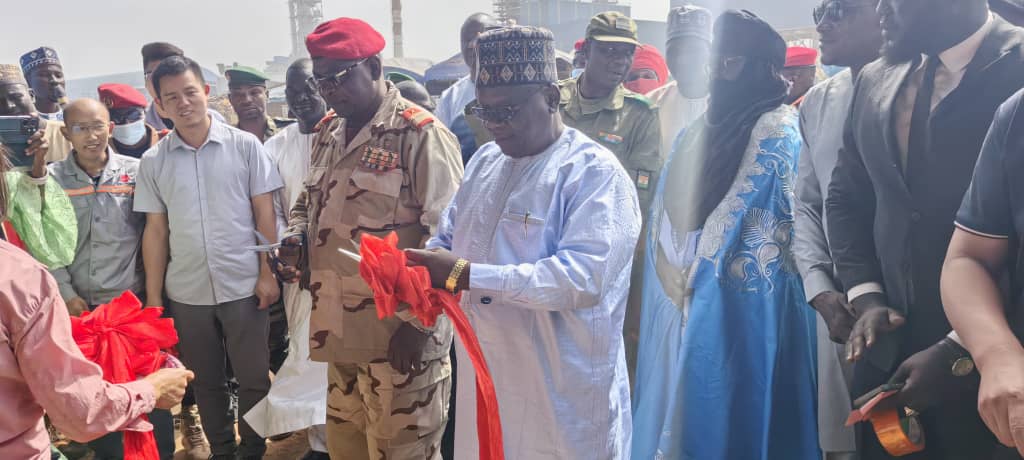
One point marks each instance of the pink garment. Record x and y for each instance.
(41, 369)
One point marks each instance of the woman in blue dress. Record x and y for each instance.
(726, 367)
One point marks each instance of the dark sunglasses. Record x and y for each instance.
(333, 81)
(835, 11)
(501, 114)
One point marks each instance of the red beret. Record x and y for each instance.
(345, 39)
(120, 96)
(579, 44)
(798, 56)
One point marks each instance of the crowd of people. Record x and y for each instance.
(714, 252)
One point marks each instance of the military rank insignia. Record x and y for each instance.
(643, 179)
(378, 159)
(609, 138)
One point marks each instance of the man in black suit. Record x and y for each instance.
(915, 129)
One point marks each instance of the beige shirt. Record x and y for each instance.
(60, 146)
(397, 174)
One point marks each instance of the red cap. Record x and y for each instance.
(120, 96)
(579, 44)
(798, 56)
(346, 39)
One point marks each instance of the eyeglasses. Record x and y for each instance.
(98, 129)
(501, 114)
(835, 10)
(333, 81)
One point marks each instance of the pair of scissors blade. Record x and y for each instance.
(265, 244)
(349, 254)
(263, 248)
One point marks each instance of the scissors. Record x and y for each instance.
(267, 248)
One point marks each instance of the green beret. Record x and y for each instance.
(245, 76)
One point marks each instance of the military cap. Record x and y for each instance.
(689, 21)
(120, 96)
(11, 74)
(612, 26)
(345, 39)
(38, 57)
(245, 76)
(515, 55)
(397, 77)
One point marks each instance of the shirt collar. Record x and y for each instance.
(73, 169)
(613, 101)
(218, 134)
(959, 56)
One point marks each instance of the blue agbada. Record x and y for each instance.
(728, 371)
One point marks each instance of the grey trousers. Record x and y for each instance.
(208, 335)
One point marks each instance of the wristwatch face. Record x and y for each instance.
(963, 366)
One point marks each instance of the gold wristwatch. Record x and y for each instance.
(452, 284)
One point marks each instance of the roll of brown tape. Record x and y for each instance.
(899, 434)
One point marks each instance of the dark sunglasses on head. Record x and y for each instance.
(835, 10)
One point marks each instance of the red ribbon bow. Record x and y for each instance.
(383, 268)
(126, 341)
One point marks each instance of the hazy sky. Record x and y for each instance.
(96, 37)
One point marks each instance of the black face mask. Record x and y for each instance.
(721, 139)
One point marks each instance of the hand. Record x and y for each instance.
(169, 386)
(405, 352)
(76, 306)
(154, 301)
(288, 258)
(37, 148)
(267, 290)
(928, 378)
(439, 263)
(1001, 397)
(874, 318)
(834, 309)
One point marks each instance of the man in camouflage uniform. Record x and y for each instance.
(626, 123)
(380, 164)
(248, 97)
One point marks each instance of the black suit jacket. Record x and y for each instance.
(894, 228)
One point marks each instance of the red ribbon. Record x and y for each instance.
(126, 341)
(383, 268)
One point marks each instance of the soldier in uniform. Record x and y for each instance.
(131, 135)
(597, 104)
(379, 164)
(248, 97)
(100, 184)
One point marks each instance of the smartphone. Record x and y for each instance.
(877, 391)
(15, 132)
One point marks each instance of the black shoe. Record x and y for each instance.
(314, 455)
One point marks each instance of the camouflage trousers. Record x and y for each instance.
(376, 413)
